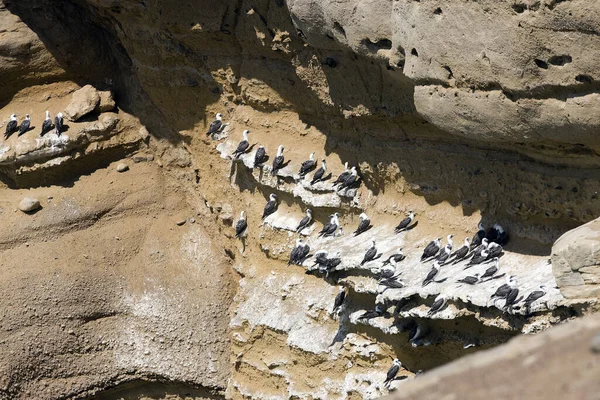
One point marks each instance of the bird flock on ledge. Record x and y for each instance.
(484, 248)
(13, 125)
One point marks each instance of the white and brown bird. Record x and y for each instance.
(405, 223)
(318, 176)
(243, 145)
(47, 124)
(304, 222)
(278, 160)
(216, 126)
(241, 226)
(58, 123)
(25, 125)
(11, 126)
(392, 372)
(308, 165)
(271, 206)
(364, 224)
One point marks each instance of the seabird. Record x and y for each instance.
(24, 125)
(483, 246)
(363, 225)
(504, 289)
(47, 124)
(438, 304)
(502, 236)
(461, 253)
(298, 253)
(320, 257)
(308, 165)
(478, 259)
(278, 161)
(395, 257)
(339, 300)
(432, 274)
(243, 145)
(449, 241)
(370, 254)
(350, 180)
(469, 280)
(511, 298)
(58, 123)
(331, 263)
(372, 313)
(320, 172)
(331, 227)
(11, 127)
(304, 222)
(392, 372)
(493, 250)
(444, 254)
(391, 283)
(416, 333)
(271, 206)
(478, 236)
(533, 296)
(216, 125)
(342, 177)
(405, 222)
(260, 157)
(491, 270)
(431, 249)
(240, 226)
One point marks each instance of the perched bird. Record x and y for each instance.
(298, 253)
(432, 274)
(364, 224)
(331, 263)
(483, 246)
(370, 254)
(11, 127)
(438, 304)
(392, 282)
(331, 227)
(24, 125)
(271, 206)
(461, 253)
(58, 123)
(372, 313)
(47, 124)
(478, 236)
(216, 125)
(511, 298)
(320, 173)
(342, 177)
(491, 271)
(431, 249)
(350, 180)
(416, 333)
(449, 240)
(260, 157)
(308, 165)
(243, 145)
(339, 300)
(494, 250)
(533, 296)
(304, 222)
(478, 259)
(241, 226)
(504, 289)
(278, 161)
(469, 280)
(444, 254)
(502, 235)
(320, 258)
(392, 372)
(405, 222)
(399, 256)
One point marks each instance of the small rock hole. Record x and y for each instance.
(584, 79)
(540, 63)
(437, 11)
(560, 60)
(414, 52)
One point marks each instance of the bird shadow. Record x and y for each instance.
(360, 233)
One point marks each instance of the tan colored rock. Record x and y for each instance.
(576, 261)
(107, 102)
(122, 167)
(29, 204)
(528, 367)
(84, 102)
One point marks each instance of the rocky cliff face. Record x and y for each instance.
(462, 113)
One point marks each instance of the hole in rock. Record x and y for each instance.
(560, 60)
(540, 63)
(414, 52)
(584, 79)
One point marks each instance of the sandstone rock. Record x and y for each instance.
(84, 101)
(576, 261)
(29, 204)
(122, 167)
(107, 103)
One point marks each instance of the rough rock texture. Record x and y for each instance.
(479, 111)
(530, 367)
(84, 101)
(29, 204)
(100, 288)
(576, 261)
